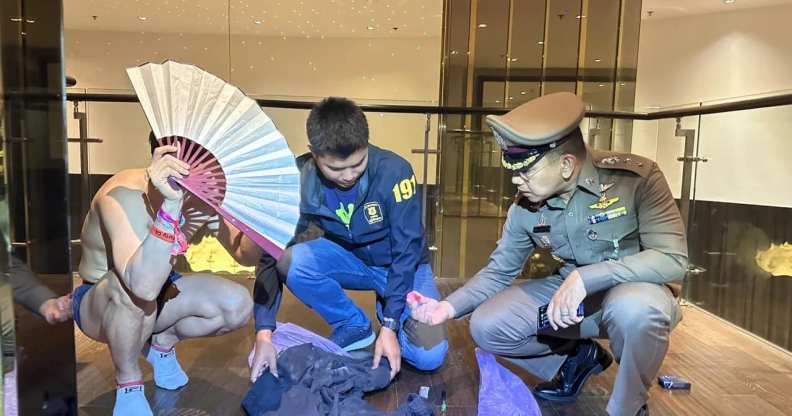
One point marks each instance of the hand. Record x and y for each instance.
(57, 310)
(264, 356)
(427, 310)
(387, 344)
(164, 165)
(562, 310)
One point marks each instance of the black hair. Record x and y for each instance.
(338, 127)
(153, 142)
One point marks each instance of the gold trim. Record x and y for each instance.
(519, 165)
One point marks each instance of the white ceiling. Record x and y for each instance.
(304, 18)
(677, 8)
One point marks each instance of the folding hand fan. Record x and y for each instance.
(240, 164)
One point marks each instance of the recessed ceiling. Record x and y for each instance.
(303, 18)
(661, 9)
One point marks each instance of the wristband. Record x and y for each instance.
(162, 234)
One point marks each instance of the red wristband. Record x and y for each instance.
(163, 235)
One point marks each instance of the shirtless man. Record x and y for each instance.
(131, 298)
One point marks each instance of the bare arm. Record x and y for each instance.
(141, 259)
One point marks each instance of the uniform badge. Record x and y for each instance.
(604, 202)
(607, 215)
(372, 212)
(605, 186)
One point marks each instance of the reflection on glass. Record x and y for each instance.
(741, 226)
(776, 260)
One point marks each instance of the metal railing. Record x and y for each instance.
(688, 158)
(693, 110)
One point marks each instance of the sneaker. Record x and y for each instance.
(351, 338)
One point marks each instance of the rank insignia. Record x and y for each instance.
(605, 186)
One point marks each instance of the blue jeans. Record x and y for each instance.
(319, 272)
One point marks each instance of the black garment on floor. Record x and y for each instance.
(314, 382)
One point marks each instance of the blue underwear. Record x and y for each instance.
(80, 291)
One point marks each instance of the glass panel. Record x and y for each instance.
(741, 229)
(8, 371)
(669, 148)
(562, 38)
(526, 51)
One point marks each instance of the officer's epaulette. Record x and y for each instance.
(622, 161)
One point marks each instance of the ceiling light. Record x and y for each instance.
(540, 43)
(598, 60)
(142, 18)
(258, 22)
(601, 85)
(482, 25)
(370, 27)
(514, 59)
(580, 16)
(729, 1)
(522, 92)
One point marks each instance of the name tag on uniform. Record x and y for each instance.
(607, 215)
(541, 229)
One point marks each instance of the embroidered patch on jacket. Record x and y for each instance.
(372, 212)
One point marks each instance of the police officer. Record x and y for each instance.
(365, 202)
(612, 223)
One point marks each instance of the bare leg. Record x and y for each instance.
(108, 314)
(199, 305)
(206, 305)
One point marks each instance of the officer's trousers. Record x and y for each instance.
(637, 318)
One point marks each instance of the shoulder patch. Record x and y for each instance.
(622, 161)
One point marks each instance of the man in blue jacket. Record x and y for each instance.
(365, 202)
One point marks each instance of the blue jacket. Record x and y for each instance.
(385, 229)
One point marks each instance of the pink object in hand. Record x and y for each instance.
(414, 297)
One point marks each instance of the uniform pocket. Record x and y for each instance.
(615, 238)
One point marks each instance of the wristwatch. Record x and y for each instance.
(391, 324)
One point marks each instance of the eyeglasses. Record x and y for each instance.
(530, 173)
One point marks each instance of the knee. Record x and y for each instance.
(633, 317)
(482, 325)
(284, 263)
(430, 359)
(236, 307)
(298, 265)
(428, 342)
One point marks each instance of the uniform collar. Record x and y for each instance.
(588, 179)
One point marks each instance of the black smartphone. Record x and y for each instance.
(542, 323)
(673, 383)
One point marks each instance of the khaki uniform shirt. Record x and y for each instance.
(620, 225)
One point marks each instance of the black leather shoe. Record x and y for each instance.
(588, 359)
